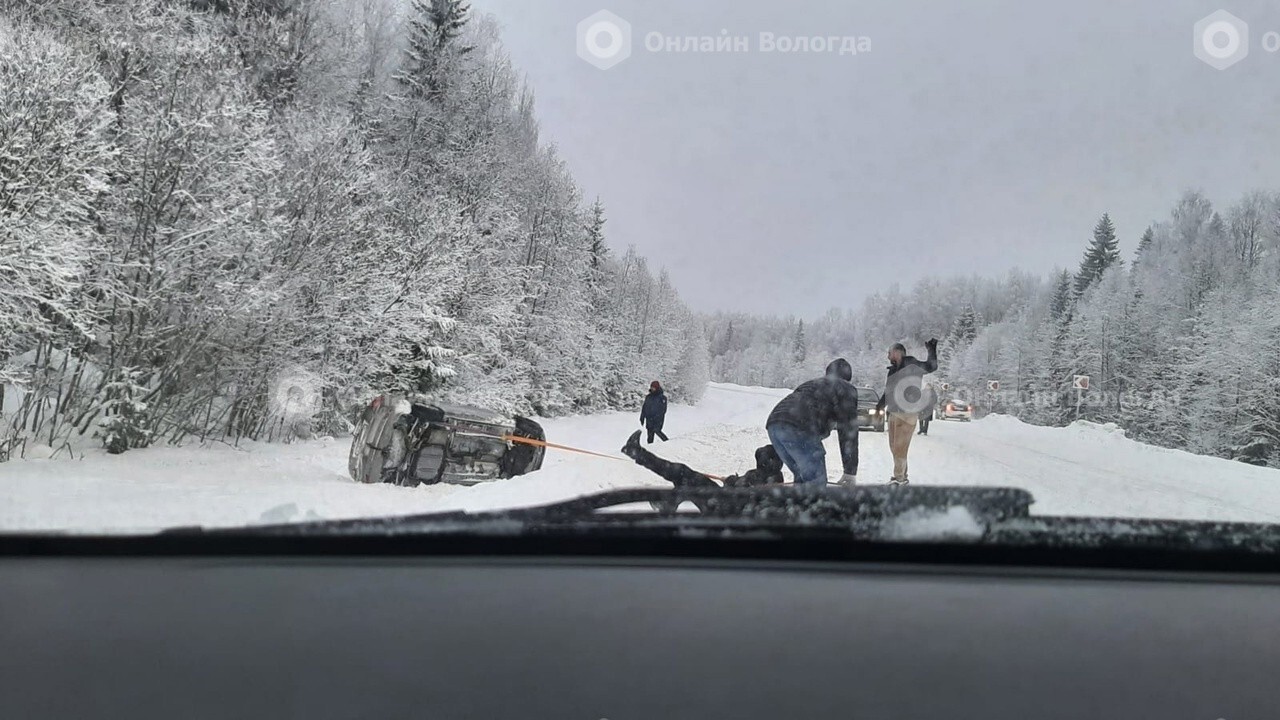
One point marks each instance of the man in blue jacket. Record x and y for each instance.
(798, 425)
(654, 412)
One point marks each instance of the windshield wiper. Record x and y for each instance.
(990, 516)
(933, 525)
(874, 512)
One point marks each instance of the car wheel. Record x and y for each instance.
(370, 446)
(355, 458)
(521, 458)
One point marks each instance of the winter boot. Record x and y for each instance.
(633, 445)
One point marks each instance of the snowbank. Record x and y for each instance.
(1092, 469)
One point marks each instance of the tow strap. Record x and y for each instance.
(557, 446)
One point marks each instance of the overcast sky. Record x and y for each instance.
(978, 135)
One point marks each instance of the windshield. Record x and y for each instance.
(308, 260)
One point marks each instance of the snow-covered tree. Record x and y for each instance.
(1102, 253)
(200, 201)
(1180, 348)
(56, 157)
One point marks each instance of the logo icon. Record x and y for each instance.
(293, 398)
(604, 39)
(1221, 40)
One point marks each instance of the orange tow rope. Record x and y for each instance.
(580, 451)
(545, 444)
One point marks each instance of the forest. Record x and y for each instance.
(1181, 341)
(226, 219)
(229, 219)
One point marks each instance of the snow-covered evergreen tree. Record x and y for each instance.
(1102, 253)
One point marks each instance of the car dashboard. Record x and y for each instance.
(584, 628)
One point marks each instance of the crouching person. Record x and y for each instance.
(798, 425)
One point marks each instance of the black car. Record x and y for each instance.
(868, 416)
(412, 441)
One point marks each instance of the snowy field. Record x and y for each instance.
(1084, 469)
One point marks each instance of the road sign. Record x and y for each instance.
(993, 385)
(1080, 383)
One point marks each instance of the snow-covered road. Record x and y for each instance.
(1083, 469)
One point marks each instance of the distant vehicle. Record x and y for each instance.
(412, 441)
(868, 416)
(955, 410)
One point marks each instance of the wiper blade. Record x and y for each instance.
(954, 524)
(796, 504)
(863, 512)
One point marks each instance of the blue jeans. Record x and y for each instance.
(802, 453)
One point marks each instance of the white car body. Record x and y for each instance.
(955, 411)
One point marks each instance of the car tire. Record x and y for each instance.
(370, 445)
(355, 458)
(522, 459)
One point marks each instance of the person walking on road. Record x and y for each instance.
(903, 399)
(802, 420)
(930, 406)
(654, 412)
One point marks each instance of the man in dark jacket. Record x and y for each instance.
(904, 399)
(930, 406)
(768, 469)
(654, 412)
(798, 425)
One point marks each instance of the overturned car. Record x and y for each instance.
(413, 441)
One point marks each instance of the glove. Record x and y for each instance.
(848, 480)
(933, 343)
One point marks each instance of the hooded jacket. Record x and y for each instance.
(819, 406)
(654, 412)
(930, 399)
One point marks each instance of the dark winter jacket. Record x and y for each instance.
(929, 400)
(654, 412)
(768, 470)
(822, 405)
(902, 388)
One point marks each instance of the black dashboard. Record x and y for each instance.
(545, 636)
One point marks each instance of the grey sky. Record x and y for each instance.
(981, 135)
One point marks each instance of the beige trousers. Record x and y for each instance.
(902, 427)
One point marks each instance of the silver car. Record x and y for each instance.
(955, 410)
(413, 441)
